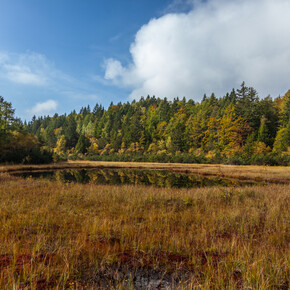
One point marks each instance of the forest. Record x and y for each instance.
(238, 128)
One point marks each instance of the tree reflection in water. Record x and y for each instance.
(158, 178)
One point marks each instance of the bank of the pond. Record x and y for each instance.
(273, 174)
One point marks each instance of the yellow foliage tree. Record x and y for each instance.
(210, 138)
(60, 145)
(230, 131)
(94, 147)
(260, 148)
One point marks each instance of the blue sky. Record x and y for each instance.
(59, 55)
(69, 39)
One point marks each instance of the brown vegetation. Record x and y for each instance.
(74, 235)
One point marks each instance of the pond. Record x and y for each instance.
(158, 178)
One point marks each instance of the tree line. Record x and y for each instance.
(238, 128)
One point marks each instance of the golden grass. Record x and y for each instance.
(55, 235)
(244, 172)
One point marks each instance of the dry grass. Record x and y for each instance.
(244, 172)
(55, 235)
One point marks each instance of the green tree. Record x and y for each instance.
(82, 144)
(49, 136)
(282, 140)
(69, 131)
(6, 116)
(246, 106)
(285, 110)
(176, 130)
(263, 133)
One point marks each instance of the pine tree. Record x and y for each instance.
(6, 116)
(69, 131)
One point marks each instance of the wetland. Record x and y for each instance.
(83, 225)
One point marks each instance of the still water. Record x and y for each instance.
(158, 178)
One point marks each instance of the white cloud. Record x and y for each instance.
(23, 75)
(113, 69)
(25, 69)
(46, 107)
(214, 47)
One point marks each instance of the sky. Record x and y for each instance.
(60, 55)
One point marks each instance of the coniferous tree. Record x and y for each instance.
(263, 133)
(82, 144)
(69, 132)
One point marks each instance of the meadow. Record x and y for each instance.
(87, 236)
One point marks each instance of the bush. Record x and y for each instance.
(32, 156)
(272, 159)
(161, 158)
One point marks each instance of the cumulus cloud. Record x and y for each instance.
(43, 108)
(214, 47)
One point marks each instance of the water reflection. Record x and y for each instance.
(162, 178)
